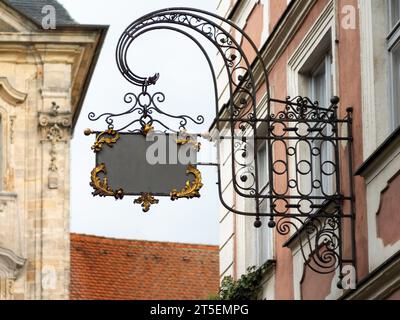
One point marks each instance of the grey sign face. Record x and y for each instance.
(156, 164)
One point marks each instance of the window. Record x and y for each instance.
(264, 234)
(320, 82)
(394, 59)
(262, 162)
(395, 70)
(320, 88)
(394, 15)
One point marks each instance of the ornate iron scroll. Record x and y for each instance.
(142, 108)
(302, 189)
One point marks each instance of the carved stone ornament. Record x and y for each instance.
(10, 265)
(54, 125)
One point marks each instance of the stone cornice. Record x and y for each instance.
(78, 37)
(279, 39)
(316, 31)
(48, 53)
(78, 46)
(282, 35)
(24, 41)
(377, 160)
(284, 32)
(380, 283)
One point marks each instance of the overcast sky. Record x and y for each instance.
(186, 82)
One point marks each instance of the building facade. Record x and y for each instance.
(320, 49)
(46, 62)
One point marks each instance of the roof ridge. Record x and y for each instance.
(93, 238)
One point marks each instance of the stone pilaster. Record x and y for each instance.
(55, 128)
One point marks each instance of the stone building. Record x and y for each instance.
(322, 48)
(45, 72)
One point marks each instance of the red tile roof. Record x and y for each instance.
(105, 268)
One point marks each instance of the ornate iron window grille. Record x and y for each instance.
(297, 131)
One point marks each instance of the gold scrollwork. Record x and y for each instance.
(146, 200)
(100, 186)
(196, 145)
(111, 138)
(146, 129)
(191, 189)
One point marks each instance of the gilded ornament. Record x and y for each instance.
(146, 129)
(191, 189)
(196, 145)
(108, 137)
(146, 200)
(100, 186)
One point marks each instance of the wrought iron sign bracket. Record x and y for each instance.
(300, 187)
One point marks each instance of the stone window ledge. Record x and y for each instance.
(384, 151)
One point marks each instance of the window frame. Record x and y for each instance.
(264, 246)
(393, 44)
(393, 25)
(326, 62)
(264, 183)
(301, 69)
